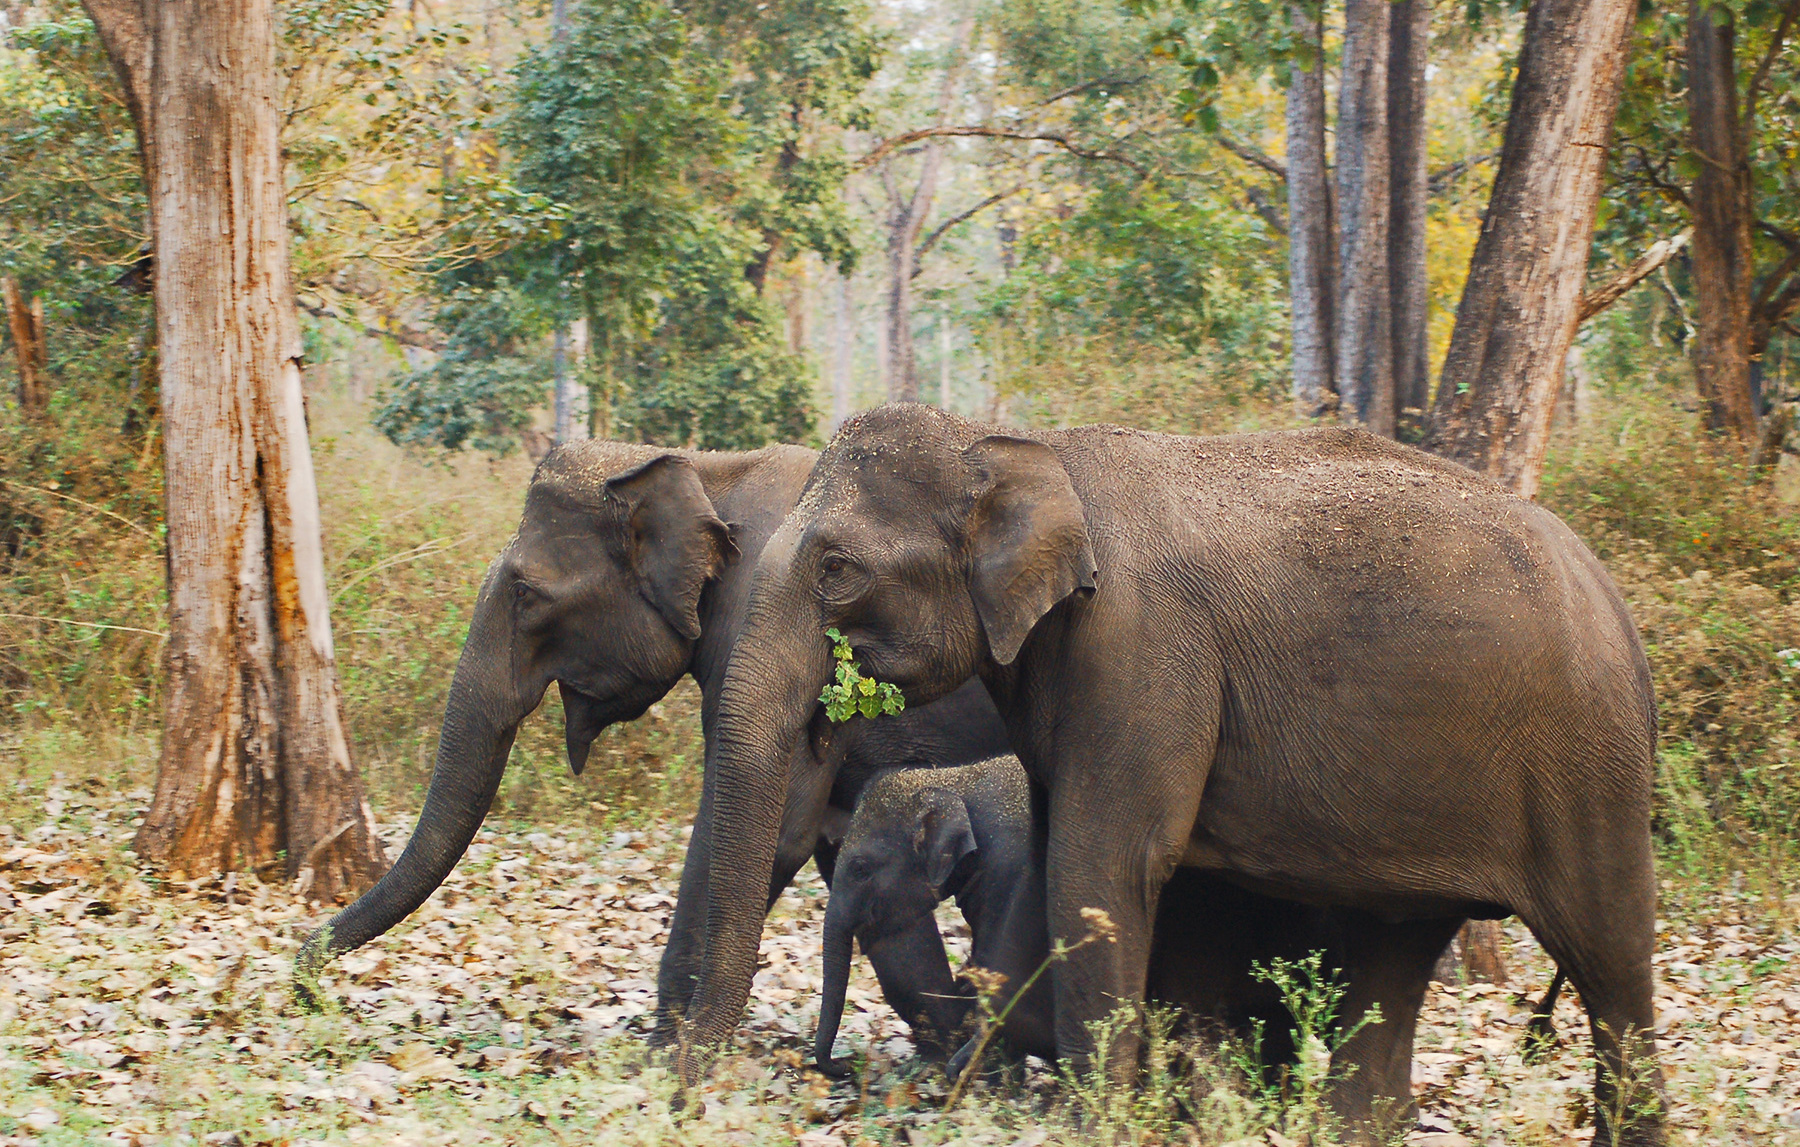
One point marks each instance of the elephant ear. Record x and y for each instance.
(676, 541)
(943, 838)
(1028, 539)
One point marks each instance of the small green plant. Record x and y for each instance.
(851, 693)
(1314, 998)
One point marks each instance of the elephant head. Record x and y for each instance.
(937, 549)
(598, 591)
(907, 848)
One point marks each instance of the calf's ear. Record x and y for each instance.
(1027, 539)
(676, 541)
(944, 839)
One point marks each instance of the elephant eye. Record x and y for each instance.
(522, 592)
(834, 565)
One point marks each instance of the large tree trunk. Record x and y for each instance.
(1519, 307)
(1365, 356)
(1408, 286)
(255, 761)
(1723, 260)
(1312, 241)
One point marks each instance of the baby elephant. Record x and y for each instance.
(917, 837)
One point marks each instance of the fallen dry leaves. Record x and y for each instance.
(512, 1009)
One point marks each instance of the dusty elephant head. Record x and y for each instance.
(599, 592)
(936, 550)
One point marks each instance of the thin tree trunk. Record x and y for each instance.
(1312, 241)
(255, 760)
(1408, 188)
(26, 321)
(1519, 307)
(843, 348)
(904, 225)
(944, 360)
(1365, 356)
(1723, 259)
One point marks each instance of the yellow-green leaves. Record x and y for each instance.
(851, 693)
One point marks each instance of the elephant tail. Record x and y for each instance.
(1540, 1030)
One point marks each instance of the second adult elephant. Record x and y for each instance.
(630, 569)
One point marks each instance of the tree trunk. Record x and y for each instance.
(904, 224)
(1723, 260)
(26, 321)
(1408, 285)
(1519, 307)
(1365, 355)
(1312, 241)
(843, 350)
(944, 360)
(255, 760)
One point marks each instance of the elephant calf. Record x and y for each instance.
(920, 836)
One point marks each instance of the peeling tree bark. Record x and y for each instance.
(1364, 356)
(255, 761)
(1312, 239)
(1519, 307)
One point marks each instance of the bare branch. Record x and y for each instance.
(1271, 214)
(1088, 86)
(1647, 264)
(887, 146)
(941, 229)
(1761, 77)
(1252, 156)
(1440, 179)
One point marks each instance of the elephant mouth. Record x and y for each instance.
(586, 717)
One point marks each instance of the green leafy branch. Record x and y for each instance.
(852, 693)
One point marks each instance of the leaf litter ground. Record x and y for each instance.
(513, 1008)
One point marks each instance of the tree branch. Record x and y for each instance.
(1762, 68)
(1087, 86)
(127, 42)
(1270, 213)
(1442, 177)
(1652, 260)
(887, 146)
(1775, 280)
(1252, 156)
(939, 231)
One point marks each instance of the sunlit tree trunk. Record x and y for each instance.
(843, 350)
(255, 761)
(1520, 304)
(1408, 285)
(1723, 259)
(1312, 241)
(26, 322)
(1364, 322)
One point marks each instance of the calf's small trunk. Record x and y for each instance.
(837, 982)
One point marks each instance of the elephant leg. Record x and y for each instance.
(915, 979)
(1387, 967)
(1120, 872)
(1606, 952)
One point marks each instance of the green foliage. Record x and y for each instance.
(850, 693)
(480, 391)
(1314, 999)
(676, 144)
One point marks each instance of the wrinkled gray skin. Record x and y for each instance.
(1322, 665)
(919, 837)
(630, 568)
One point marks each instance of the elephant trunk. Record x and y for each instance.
(770, 692)
(480, 721)
(838, 935)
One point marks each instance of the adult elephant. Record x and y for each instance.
(631, 568)
(1323, 665)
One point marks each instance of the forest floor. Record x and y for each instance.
(512, 1009)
